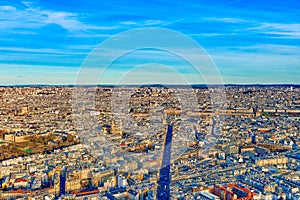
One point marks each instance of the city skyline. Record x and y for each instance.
(250, 42)
(149, 100)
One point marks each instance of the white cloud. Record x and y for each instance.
(225, 19)
(274, 49)
(142, 23)
(152, 22)
(72, 50)
(27, 3)
(7, 8)
(129, 23)
(64, 19)
(35, 17)
(279, 29)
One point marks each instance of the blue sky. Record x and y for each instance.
(254, 41)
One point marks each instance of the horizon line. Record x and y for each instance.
(150, 85)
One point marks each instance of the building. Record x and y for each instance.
(271, 161)
(233, 191)
(208, 196)
(114, 129)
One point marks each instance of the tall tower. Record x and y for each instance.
(115, 129)
(163, 190)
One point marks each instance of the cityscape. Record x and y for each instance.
(254, 156)
(149, 100)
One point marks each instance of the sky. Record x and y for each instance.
(47, 41)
